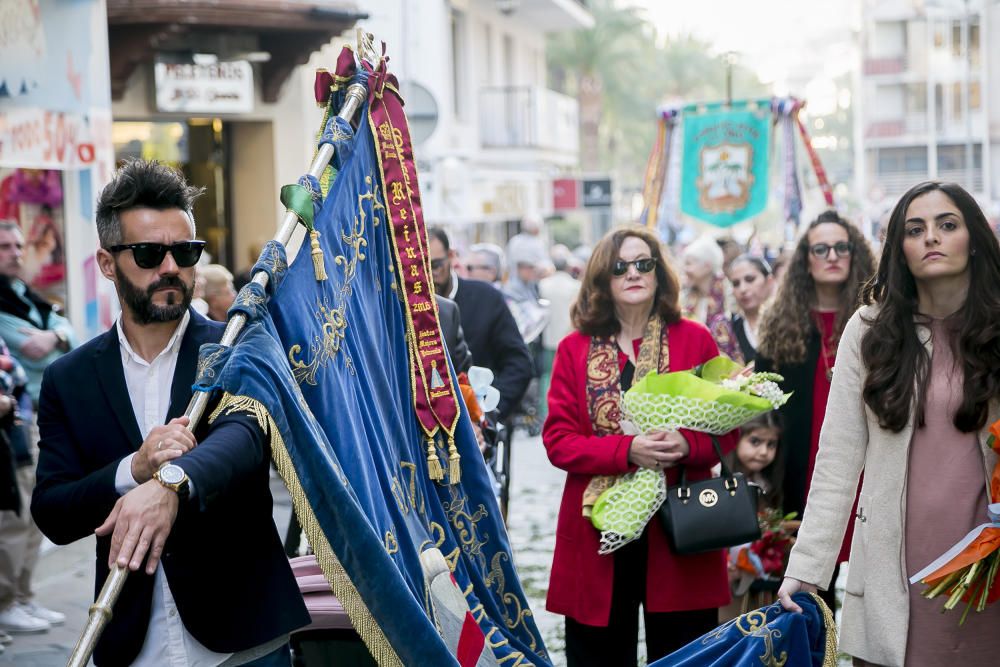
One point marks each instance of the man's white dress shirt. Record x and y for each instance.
(168, 643)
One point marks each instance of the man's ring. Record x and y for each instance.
(159, 446)
(656, 463)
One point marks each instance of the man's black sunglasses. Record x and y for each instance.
(150, 255)
(620, 267)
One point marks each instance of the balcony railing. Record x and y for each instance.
(893, 65)
(528, 117)
(912, 123)
(881, 129)
(898, 182)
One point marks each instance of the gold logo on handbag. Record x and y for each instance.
(708, 498)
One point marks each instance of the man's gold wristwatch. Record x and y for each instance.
(174, 478)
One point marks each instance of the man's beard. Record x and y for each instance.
(140, 301)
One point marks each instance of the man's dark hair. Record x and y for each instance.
(141, 184)
(441, 235)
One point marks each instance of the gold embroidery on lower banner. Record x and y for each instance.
(466, 529)
(391, 545)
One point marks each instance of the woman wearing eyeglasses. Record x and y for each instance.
(628, 323)
(799, 336)
(914, 393)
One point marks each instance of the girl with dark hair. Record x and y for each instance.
(915, 389)
(799, 337)
(628, 323)
(753, 286)
(759, 457)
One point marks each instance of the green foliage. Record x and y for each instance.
(621, 71)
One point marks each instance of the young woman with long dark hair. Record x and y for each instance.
(799, 337)
(915, 389)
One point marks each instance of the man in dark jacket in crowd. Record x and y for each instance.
(489, 327)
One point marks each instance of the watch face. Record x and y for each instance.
(171, 474)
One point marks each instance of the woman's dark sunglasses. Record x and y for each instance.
(842, 248)
(620, 267)
(150, 255)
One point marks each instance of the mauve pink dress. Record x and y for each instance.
(946, 497)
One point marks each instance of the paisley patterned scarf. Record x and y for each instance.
(604, 391)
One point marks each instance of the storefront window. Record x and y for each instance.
(33, 198)
(197, 147)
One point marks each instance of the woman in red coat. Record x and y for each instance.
(628, 323)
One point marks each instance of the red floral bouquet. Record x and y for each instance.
(767, 557)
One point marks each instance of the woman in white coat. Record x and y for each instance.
(914, 392)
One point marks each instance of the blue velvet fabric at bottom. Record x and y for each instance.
(766, 636)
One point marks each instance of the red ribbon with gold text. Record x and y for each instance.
(434, 397)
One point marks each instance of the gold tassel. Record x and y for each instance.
(319, 268)
(454, 469)
(434, 469)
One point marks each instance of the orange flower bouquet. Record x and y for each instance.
(968, 571)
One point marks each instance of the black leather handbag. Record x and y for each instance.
(710, 514)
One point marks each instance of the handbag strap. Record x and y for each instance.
(726, 472)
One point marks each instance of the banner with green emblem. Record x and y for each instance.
(725, 161)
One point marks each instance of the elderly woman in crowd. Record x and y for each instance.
(914, 392)
(703, 298)
(218, 291)
(628, 323)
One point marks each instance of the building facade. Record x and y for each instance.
(489, 136)
(929, 102)
(223, 89)
(55, 147)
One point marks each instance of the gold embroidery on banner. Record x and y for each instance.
(755, 624)
(519, 658)
(338, 134)
(466, 530)
(510, 601)
(248, 298)
(408, 496)
(207, 361)
(322, 349)
(275, 263)
(391, 545)
(325, 347)
(397, 493)
(452, 558)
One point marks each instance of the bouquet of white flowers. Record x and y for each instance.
(715, 397)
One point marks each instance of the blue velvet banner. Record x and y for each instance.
(767, 636)
(328, 361)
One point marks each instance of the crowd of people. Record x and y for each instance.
(889, 359)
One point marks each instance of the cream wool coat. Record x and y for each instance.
(876, 608)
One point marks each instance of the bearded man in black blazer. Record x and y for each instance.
(191, 517)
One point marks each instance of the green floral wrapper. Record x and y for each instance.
(668, 402)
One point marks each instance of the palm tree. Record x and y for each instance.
(620, 71)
